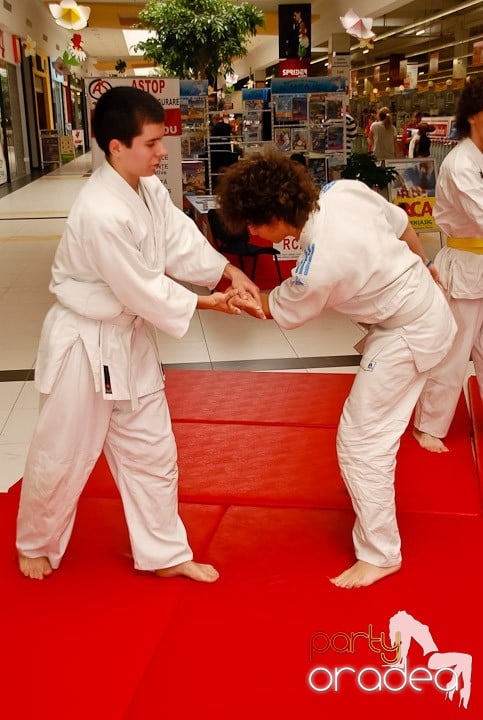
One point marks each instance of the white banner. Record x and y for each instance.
(411, 80)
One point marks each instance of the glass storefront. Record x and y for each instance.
(12, 155)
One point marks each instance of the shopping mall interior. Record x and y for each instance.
(254, 406)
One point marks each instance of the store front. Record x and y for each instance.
(12, 141)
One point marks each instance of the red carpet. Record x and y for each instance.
(262, 500)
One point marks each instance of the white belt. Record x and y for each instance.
(110, 343)
(409, 311)
(413, 308)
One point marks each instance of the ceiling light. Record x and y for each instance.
(421, 32)
(145, 72)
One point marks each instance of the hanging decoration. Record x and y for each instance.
(360, 28)
(73, 55)
(120, 67)
(61, 67)
(29, 47)
(76, 49)
(68, 14)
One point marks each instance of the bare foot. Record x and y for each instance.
(429, 442)
(362, 574)
(192, 570)
(35, 568)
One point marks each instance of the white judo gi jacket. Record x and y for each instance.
(114, 278)
(354, 262)
(458, 211)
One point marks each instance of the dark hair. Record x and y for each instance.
(471, 103)
(121, 114)
(300, 158)
(266, 187)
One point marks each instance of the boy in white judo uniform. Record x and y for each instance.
(362, 258)
(458, 211)
(114, 278)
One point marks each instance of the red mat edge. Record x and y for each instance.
(476, 416)
(263, 423)
(187, 499)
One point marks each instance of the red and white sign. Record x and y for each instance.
(292, 68)
(78, 136)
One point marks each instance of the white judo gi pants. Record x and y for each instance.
(375, 415)
(437, 404)
(74, 425)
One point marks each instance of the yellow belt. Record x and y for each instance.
(474, 245)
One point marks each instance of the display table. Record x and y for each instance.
(201, 203)
(198, 206)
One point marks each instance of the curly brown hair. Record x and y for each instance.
(471, 103)
(265, 187)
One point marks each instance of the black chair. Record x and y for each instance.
(239, 245)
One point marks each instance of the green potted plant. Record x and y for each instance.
(198, 38)
(364, 167)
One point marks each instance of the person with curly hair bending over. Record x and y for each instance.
(361, 257)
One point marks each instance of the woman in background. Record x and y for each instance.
(383, 136)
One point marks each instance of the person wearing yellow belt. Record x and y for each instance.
(458, 212)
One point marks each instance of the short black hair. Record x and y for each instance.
(470, 103)
(121, 114)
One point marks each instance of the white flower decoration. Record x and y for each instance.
(29, 47)
(361, 28)
(68, 14)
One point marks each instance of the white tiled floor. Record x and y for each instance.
(31, 222)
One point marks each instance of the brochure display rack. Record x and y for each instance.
(194, 123)
(308, 117)
(204, 153)
(257, 119)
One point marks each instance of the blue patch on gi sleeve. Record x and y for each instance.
(303, 266)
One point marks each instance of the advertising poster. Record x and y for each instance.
(433, 62)
(477, 58)
(167, 92)
(414, 190)
(294, 31)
